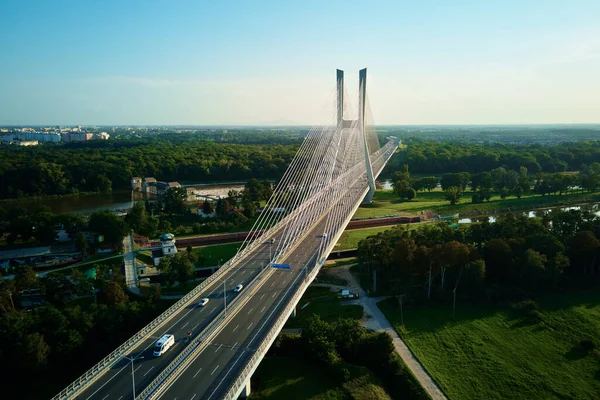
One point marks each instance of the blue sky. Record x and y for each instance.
(261, 62)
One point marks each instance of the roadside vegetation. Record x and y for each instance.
(56, 328)
(512, 305)
(355, 363)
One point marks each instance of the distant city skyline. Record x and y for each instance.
(273, 63)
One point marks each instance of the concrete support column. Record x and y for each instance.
(246, 392)
(293, 314)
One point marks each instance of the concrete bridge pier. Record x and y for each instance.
(293, 314)
(246, 392)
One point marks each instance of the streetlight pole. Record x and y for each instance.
(132, 359)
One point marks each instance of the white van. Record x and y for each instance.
(163, 344)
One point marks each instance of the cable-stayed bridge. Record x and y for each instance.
(333, 172)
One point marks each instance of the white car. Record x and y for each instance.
(238, 288)
(324, 236)
(203, 302)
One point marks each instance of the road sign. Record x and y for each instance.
(282, 266)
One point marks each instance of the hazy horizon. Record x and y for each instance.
(273, 63)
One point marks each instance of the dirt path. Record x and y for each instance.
(374, 319)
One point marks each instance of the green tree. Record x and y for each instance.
(109, 225)
(174, 200)
(36, 351)
(208, 208)
(223, 208)
(26, 278)
(182, 267)
(453, 194)
(114, 293)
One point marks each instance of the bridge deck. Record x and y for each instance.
(212, 371)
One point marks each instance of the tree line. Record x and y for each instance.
(342, 346)
(434, 157)
(499, 180)
(514, 258)
(100, 167)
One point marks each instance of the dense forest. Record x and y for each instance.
(82, 320)
(515, 258)
(103, 166)
(429, 157)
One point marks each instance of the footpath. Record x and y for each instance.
(374, 319)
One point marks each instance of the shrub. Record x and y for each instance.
(587, 344)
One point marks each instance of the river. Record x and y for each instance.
(120, 200)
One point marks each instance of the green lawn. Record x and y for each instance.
(324, 303)
(292, 378)
(212, 254)
(386, 202)
(489, 353)
(350, 239)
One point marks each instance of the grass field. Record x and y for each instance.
(323, 302)
(350, 239)
(386, 202)
(212, 254)
(489, 353)
(292, 378)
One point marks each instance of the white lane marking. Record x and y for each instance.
(274, 294)
(194, 327)
(193, 396)
(263, 309)
(120, 398)
(186, 324)
(218, 348)
(249, 325)
(252, 309)
(284, 281)
(137, 368)
(233, 347)
(213, 309)
(148, 371)
(196, 374)
(273, 283)
(105, 396)
(214, 370)
(262, 296)
(214, 391)
(237, 326)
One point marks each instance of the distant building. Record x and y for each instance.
(167, 244)
(26, 142)
(149, 185)
(136, 183)
(162, 187)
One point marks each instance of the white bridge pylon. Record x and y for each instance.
(330, 161)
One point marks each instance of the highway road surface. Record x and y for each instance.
(117, 383)
(214, 369)
(218, 364)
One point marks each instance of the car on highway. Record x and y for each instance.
(203, 302)
(238, 288)
(324, 236)
(163, 344)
